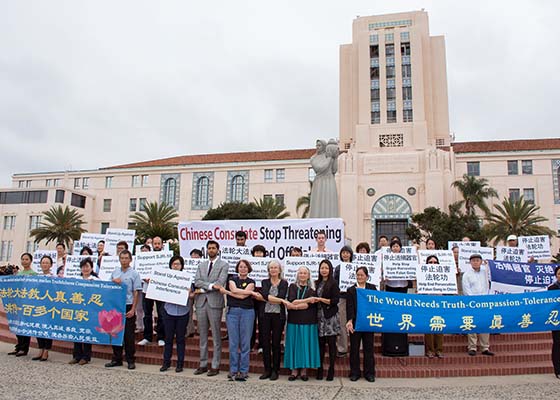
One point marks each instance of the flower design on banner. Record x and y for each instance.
(110, 322)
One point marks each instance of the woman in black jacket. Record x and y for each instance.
(327, 298)
(556, 334)
(366, 338)
(271, 325)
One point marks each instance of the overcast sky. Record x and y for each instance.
(87, 84)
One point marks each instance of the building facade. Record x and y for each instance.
(397, 155)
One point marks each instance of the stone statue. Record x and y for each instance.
(324, 198)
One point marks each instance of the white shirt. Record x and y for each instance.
(475, 283)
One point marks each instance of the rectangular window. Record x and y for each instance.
(104, 227)
(34, 221)
(558, 225)
(391, 93)
(375, 117)
(389, 37)
(56, 182)
(9, 222)
(513, 167)
(24, 197)
(78, 201)
(76, 183)
(267, 197)
(406, 71)
(473, 168)
(407, 115)
(268, 175)
(529, 195)
(280, 175)
(279, 198)
(108, 182)
(407, 93)
(107, 205)
(20, 184)
(31, 246)
(135, 180)
(374, 94)
(405, 49)
(6, 250)
(59, 196)
(48, 183)
(374, 73)
(405, 36)
(514, 194)
(391, 116)
(28, 184)
(131, 226)
(374, 51)
(132, 205)
(390, 72)
(85, 183)
(527, 167)
(145, 180)
(389, 50)
(142, 204)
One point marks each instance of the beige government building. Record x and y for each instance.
(397, 155)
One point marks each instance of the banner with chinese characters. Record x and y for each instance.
(515, 254)
(512, 277)
(537, 247)
(410, 313)
(436, 279)
(75, 310)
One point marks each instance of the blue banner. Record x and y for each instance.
(75, 310)
(522, 274)
(411, 313)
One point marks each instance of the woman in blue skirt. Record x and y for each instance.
(302, 336)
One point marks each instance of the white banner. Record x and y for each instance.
(399, 266)
(435, 279)
(537, 247)
(145, 262)
(108, 265)
(114, 235)
(348, 274)
(460, 244)
(292, 264)
(37, 260)
(333, 257)
(232, 255)
(515, 254)
(445, 257)
(404, 250)
(466, 252)
(278, 236)
(170, 286)
(72, 266)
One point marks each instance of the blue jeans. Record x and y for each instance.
(240, 326)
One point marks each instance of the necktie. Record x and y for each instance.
(210, 267)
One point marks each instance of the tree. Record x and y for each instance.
(156, 220)
(475, 192)
(234, 210)
(271, 209)
(442, 227)
(304, 202)
(59, 224)
(515, 217)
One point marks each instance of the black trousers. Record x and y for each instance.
(44, 344)
(556, 351)
(82, 351)
(148, 307)
(366, 339)
(175, 327)
(271, 326)
(258, 306)
(128, 340)
(329, 341)
(23, 343)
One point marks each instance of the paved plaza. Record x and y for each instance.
(22, 378)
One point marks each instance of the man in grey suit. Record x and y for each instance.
(210, 276)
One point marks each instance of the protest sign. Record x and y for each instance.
(232, 255)
(38, 254)
(72, 266)
(108, 265)
(460, 244)
(404, 250)
(191, 266)
(334, 258)
(292, 264)
(348, 273)
(465, 253)
(78, 245)
(515, 254)
(513, 277)
(170, 286)
(145, 262)
(445, 257)
(537, 247)
(399, 266)
(114, 235)
(436, 279)
(260, 269)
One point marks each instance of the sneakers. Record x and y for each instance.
(144, 342)
(161, 343)
(487, 353)
(113, 364)
(472, 353)
(241, 377)
(213, 372)
(200, 370)
(83, 362)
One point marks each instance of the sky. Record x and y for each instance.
(89, 84)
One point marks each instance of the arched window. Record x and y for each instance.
(202, 185)
(237, 188)
(169, 190)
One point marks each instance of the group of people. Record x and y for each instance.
(313, 317)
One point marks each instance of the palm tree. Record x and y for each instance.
(156, 220)
(60, 225)
(475, 192)
(517, 217)
(271, 209)
(305, 202)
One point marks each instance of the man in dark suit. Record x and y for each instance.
(210, 277)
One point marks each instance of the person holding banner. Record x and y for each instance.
(363, 248)
(346, 255)
(175, 320)
(327, 316)
(273, 293)
(23, 342)
(357, 338)
(240, 318)
(433, 341)
(257, 251)
(86, 251)
(44, 344)
(556, 334)
(302, 337)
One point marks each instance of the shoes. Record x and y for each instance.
(558, 376)
(73, 361)
(178, 369)
(439, 355)
(266, 375)
(113, 364)
(161, 343)
(46, 358)
(274, 376)
(319, 374)
(472, 353)
(21, 353)
(131, 365)
(354, 378)
(13, 353)
(370, 378)
(292, 378)
(230, 377)
(341, 354)
(304, 378)
(83, 362)
(200, 370)
(213, 372)
(144, 342)
(241, 377)
(487, 353)
(164, 368)
(430, 355)
(330, 374)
